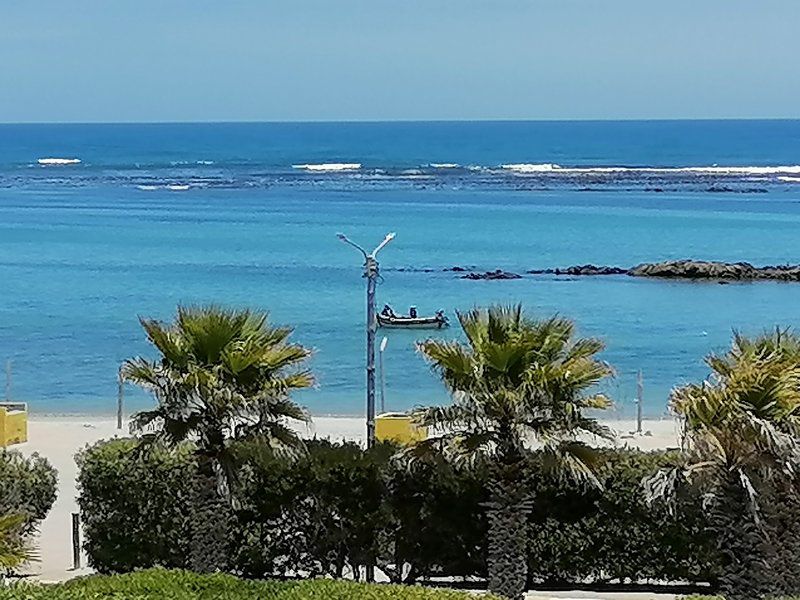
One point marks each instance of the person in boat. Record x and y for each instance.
(412, 312)
(387, 311)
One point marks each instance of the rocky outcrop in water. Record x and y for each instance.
(460, 269)
(491, 275)
(687, 269)
(702, 269)
(670, 269)
(582, 270)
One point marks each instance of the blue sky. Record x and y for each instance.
(201, 60)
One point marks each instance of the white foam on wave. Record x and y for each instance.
(58, 161)
(789, 179)
(532, 167)
(179, 163)
(524, 168)
(174, 187)
(329, 167)
(444, 165)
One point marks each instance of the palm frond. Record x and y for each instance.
(15, 550)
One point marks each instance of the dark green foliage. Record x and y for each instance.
(320, 514)
(611, 533)
(335, 509)
(134, 504)
(27, 487)
(782, 514)
(157, 584)
(438, 519)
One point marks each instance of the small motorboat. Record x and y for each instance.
(387, 318)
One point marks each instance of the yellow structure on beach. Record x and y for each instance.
(13, 423)
(398, 427)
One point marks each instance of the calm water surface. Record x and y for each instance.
(156, 215)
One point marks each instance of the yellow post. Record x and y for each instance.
(13, 423)
(398, 427)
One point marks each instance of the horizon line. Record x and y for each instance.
(378, 121)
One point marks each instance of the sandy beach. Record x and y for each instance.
(60, 438)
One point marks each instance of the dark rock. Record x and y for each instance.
(581, 270)
(700, 269)
(491, 275)
(683, 269)
(541, 271)
(412, 270)
(591, 270)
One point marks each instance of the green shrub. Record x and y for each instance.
(181, 585)
(612, 533)
(27, 486)
(134, 505)
(339, 508)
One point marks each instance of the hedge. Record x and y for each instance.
(159, 584)
(340, 508)
(28, 485)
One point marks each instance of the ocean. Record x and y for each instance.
(102, 223)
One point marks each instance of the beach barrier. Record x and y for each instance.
(13, 423)
(398, 427)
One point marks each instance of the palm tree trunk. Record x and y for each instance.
(508, 511)
(783, 520)
(746, 572)
(210, 520)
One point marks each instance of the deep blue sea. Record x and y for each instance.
(102, 223)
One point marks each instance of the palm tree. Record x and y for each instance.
(223, 375)
(741, 448)
(14, 549)
(515, 381)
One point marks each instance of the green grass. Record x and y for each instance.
(159, 584)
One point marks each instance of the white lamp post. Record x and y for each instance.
(371, 275)
(384, 341)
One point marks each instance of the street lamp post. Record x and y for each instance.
(371, 275)
(382, 347)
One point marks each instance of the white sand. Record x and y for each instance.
(59, 438)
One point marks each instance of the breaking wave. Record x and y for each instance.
(537, 168)
(174, 187)
(329, 167)
(58, 161)
(532, 167)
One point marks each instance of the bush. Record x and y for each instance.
(27, 487)
(134, 505)
(611, 533)
(340, 508)
(181, 585)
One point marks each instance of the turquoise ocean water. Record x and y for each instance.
(246, 214)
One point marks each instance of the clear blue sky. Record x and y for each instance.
(190, 60)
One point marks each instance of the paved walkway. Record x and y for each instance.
(598, 596)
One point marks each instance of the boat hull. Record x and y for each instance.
(412, 323)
